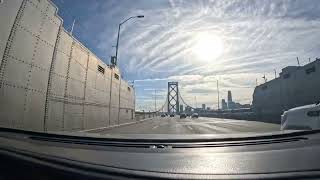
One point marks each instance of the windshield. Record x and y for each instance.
(159, 67)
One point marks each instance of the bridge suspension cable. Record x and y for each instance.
(185, 102)
(164, 105)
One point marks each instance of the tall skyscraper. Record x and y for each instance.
(224, 105)
(229, 96)
(230, 102)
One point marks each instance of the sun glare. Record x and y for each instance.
(207, 47)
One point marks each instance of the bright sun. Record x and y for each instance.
(207, 47)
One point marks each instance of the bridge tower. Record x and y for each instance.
(173, 97)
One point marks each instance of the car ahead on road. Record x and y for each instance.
(163, 115)
(301, 118)
(171, 115)
(183, 115)
(195, 115)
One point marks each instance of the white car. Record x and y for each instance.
(303, 117)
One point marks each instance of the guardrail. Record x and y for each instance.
(144, 115)
(249, 116)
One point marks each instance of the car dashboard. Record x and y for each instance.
(32, 155)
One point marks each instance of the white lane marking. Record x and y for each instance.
(190, 128)
(155, 127)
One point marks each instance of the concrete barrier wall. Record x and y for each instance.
(49, 80)
(145, 115)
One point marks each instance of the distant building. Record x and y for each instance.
(208, 108)
(231, 104)
(198, 110)
(181, 108)
(295, 86)
(204, 106)
(224, 104)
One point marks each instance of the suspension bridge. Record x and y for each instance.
(177, 125)
(174, 100)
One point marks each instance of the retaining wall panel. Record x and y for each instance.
(90, 94)
(11, 105)
(91, 78)
(125, 116)
(77, 71)
(57, 85)
(8, 13)
(113, 116)
(80, 55)
(73, 117)
(34, 2)
(61, 63)
(39, 79)
(23, 46)
(95, 117)
(101, 84)
(94, 96)
(93, 63)
(88, 117)
(51, 12)
(115, 99)
(31, 18)
(75, 88)
(107, 82)
(15, 72)
(50, 30)
(65, 42)
(102, 97)
(43, 55)
(42, 5)
(55, 114)
(34, 112)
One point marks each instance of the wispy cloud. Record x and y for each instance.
(258, 36)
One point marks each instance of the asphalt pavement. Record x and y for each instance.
(201, 125)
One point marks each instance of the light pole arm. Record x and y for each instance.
(127, 20)
(117, 46)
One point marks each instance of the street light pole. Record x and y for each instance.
(117, 43)
(155, 101)
(218, 94)
(118, 37)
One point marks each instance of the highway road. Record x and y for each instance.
(201, 125)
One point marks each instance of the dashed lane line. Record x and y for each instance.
(189, 127)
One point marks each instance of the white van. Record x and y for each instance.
(303, 117)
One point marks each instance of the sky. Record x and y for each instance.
(197, 43)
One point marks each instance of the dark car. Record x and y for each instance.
(171, 115)
(195, 115)
(183, 115)
(163, 115)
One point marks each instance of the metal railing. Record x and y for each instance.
(145, 115)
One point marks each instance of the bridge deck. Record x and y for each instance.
(202, 125)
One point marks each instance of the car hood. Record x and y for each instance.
(180, 137)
